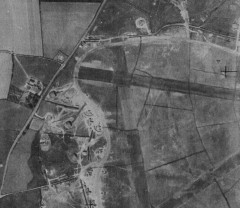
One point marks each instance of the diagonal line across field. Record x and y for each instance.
(143, 81)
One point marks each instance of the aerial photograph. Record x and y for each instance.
(120, 104)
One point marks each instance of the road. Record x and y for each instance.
(137, 80)
(142, 81)
(44, 94)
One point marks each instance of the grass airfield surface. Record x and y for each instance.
(162, 141)
(169, 108)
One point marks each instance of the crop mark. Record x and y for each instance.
(161, 106)
(138, 56)
(149, 89)
(177, 160)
